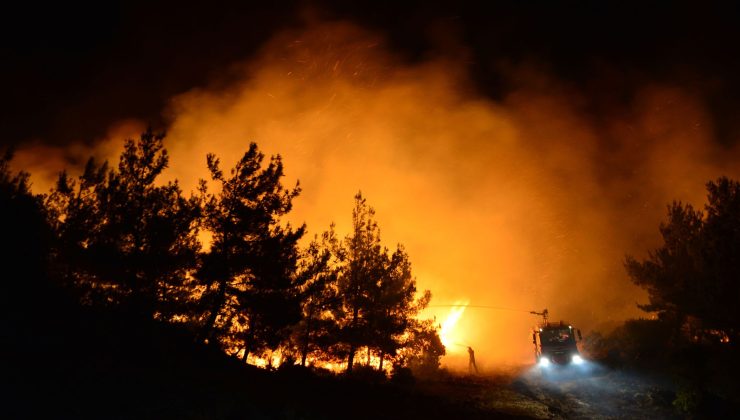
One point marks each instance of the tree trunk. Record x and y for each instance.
(352, 346)
(304, 350)
(248, 340)
(382, 356)
(211, 320)
(220, 296)
(351, 357)
(304, 355)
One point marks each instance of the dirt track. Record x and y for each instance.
(584, 392)
(592, 392)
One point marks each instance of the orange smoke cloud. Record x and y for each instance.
(524, 203)
(45, 161)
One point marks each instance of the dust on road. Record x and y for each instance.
(593, 392)
(588, 391)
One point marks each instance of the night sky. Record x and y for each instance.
(69, 71)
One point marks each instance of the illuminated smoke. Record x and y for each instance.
(524, 203)
(45, 161)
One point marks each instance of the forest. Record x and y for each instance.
(118, 243)
(123, 296)
(470, 173)
(118, 238)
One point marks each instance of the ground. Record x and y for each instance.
(86, 363)
(586, 392)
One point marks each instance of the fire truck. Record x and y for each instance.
(555, 342)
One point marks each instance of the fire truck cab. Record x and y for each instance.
(555, 343)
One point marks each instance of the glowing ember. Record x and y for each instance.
(449, 336)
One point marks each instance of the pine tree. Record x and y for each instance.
(24, 250)
(378, 291)
(123, 238)
(320, 300)
(362, 269)
(395, 307)
(250, 293)
(694, 273)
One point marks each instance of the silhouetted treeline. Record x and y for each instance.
(118, 237)
(24, 252)
(693, 285)
(693, 279)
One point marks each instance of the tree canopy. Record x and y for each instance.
(120, 237)
(249, 274)
(695, 274)
(379, 303)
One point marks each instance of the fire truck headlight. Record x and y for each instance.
(544, 362)
(577, 359)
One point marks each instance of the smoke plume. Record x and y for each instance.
(524, 203)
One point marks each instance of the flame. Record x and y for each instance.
(447, 333)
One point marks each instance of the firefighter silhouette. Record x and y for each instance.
(471, 362)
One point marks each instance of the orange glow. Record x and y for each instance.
(522, 202)
(451, 337)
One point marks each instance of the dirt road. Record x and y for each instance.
(576, 392)
(592, 392)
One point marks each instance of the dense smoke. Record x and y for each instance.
(526, 203)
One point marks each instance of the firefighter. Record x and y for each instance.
(471, 362)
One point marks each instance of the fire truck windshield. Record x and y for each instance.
(556, 336)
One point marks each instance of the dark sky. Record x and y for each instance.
(68, 72)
